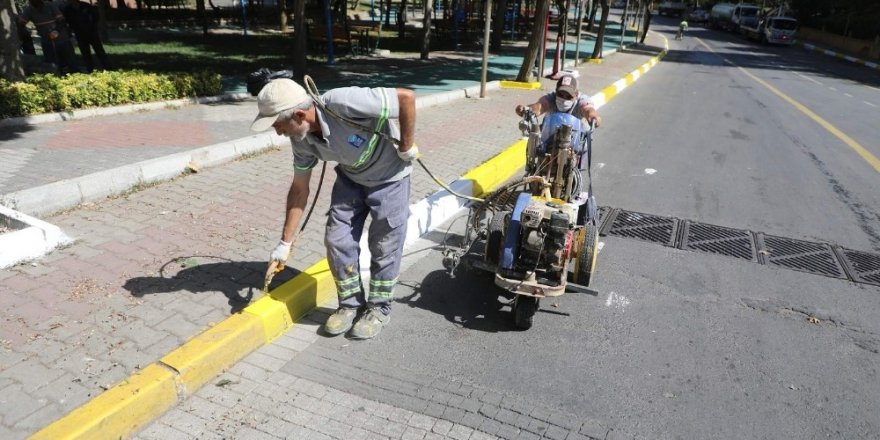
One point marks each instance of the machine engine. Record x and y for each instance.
(546, 236)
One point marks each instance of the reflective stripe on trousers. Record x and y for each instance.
(388, 207)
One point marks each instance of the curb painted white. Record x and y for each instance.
(839, 55)
(30, 237)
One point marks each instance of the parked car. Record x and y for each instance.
(698, 16)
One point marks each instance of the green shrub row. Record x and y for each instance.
(50, 93)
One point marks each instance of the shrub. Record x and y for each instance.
(49, 93)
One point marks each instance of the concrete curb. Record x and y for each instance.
(31, 237)
(832, 53)
(133, 403)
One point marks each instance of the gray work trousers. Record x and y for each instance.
(388, 207)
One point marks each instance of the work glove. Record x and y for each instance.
(281, 252)
(409, 155)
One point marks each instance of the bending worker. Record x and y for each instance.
(349, 126)
(566, 99)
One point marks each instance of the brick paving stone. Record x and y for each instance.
(17, 404)
(162, 432)
(506, 416)
(473, 420)
(442, 427)
(477, 435)
(248, 433)
(460, 432)
(453, 415)
(413, 434)
(525, 435)
(555, 433)
(490, 426)
(507, 432)
(593, 429)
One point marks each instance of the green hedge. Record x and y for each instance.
(49, 93)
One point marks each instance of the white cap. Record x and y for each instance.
(275, 97)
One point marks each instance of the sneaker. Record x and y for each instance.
(340, 321)
(370, 324)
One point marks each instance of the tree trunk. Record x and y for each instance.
(401, 21)
(647, 22)
(580, 23)
(535, 41)
(299, 40)
(203, 16)
(282, 15)
(498, 25)
(600, 37)
(593, 15)
(426, 28)
(11, 67)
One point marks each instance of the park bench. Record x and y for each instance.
(341, 38)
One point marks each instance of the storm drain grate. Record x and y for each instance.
(805, 256)
(645, 227)
(719, 240)
(865, 267)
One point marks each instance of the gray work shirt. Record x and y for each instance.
(365, 157)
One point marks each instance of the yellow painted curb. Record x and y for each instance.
(492, 173)
(208, 354)
(120, 410)
(520, 85)
(595, 60)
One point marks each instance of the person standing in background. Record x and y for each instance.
(83, 19)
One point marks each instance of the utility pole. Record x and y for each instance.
(484, 74)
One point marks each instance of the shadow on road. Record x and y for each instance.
(471, 299)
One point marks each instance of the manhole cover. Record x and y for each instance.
(645, 227)
(730, 242)
(865, 265)
(805, 256)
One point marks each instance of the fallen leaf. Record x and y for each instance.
(224, 382)
(813, 320)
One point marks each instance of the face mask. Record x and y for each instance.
(564, 104)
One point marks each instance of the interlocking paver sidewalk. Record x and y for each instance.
(154, 267)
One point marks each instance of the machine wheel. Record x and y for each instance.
(524, 308)
(585, 265)
(495, 239)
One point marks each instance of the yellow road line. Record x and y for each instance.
(858, 148)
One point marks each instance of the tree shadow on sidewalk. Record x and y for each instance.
(239, 281)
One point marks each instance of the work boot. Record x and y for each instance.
(370, 324)
(340, 321)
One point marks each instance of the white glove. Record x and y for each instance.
(281, 252)
(409, 155)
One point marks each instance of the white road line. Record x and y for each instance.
(808, 78)
(847, 95)
(872, 105)
(832, 89)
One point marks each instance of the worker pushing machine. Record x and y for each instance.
(351, 126)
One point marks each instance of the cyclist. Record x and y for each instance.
(682, 27)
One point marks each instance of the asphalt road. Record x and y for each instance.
(678, 344)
